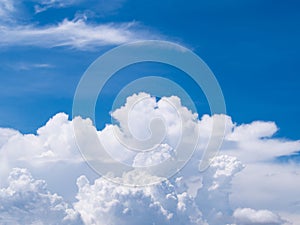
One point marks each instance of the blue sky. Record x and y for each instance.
(252, 47)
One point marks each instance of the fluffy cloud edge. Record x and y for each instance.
(56, 139)
(248, 216)
(28, 201)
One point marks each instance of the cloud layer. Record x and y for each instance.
(243, 185)
(248, 216)
(27, 201)
(171, 202)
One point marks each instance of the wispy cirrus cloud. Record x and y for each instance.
(102, 7)
(6, 6)
(7, 9)
(71, 33)
(43, 5)
(28, 66)
(76, 33)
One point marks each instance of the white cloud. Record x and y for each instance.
(23, 66)
(190, 195)
(263, 183)
(17, 28)
(101, 7)
(51, 154)
(7, 7)
(167, 203)
(144, 122)
(253, 131)
(268, 186)
(254, 143)
(247, 216)
(157, 156)
(43, 5)
(6, 134)
(27, 201)
(71, 33)
(54, 142)
(107, 203)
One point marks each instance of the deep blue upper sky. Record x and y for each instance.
(251, 46)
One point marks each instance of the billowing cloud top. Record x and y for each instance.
(243, 184)
(27, 201)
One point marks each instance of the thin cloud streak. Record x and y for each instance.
(43, 5)
(72, 33)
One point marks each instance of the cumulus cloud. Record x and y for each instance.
(170, 202)
(27, 201)
(51, 153)
(244, 161)
(53, 142)
(248, 216)
(154, 128)
(254, 143)
(263, 181)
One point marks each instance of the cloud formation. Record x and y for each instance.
(76, 33)
(6, 9)
(43, 5)
(71, 33)
(248, 216)
(27, 201)
(242, 177)
(144, 122)
(171, 202)
(102, 7)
